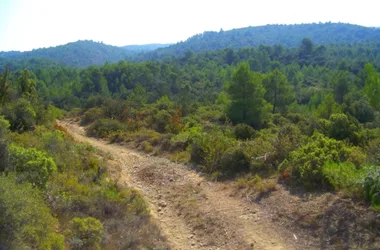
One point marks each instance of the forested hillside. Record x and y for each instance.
(86, 53)
(285, 35)
(76, 54)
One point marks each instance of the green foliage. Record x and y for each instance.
(4, 125)
(26, 85)
(288, 139)
(4, 86)
(286, 35)
(372, 188)
(85, 233)
(208, 148)
(243, 131)
(343, 176)
(234, 160)
(373, 149)
(247, 98)
(278, 91)
(328, 107)
(147, 147)
(357, 105)
(25, 220)
(31, 165)
(20, 114)
(92, 115)
(341, 127)
(162, 121)
(259, 151)
(305, 164)
(104, 127)
(76, 54)
(372, 85)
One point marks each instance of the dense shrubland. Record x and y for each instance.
(299, 114)
(55, 193)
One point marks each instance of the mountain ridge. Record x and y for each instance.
(83, 53)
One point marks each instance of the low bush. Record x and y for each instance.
(105, 127)
(207, 150)
(25, 220)
(84, 233)
(91, 115)
(146, 147)
(180, 157)
(243, 131)
(257, 184)
(260, 152)
(31, 165)
(373, 149)
(305, 164)
(234, 161)
(372, 188)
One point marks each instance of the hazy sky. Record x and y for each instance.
(28, 24)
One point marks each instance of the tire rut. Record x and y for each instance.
(192, 212)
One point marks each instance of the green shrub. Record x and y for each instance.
(147, 147)
(243, 131)
(138, 137)
(208, 148)
(342, 127)
(105, 127)
(31, 164)
(260, 151)
(181, 156)
(20, 114)
(305, 164)
(343, 176)
(4, 126)
(288, 138)
(162, 121)
(357, 156)
(85, 233)
(25, 220)
(372, 188)
(234, 160)
(373, 150)
(91, 115)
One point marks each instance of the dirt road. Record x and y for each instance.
(192, 212)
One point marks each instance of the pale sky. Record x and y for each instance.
(29, 24)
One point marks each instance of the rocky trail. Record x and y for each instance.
(192, 212)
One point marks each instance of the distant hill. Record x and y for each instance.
(76, 54)
(85, 53)
(145, 47)
(285, 35)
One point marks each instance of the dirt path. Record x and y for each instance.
(192, 212)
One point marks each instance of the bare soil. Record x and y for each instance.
(194, 213)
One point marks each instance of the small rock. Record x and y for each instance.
(162, 204)
(254, 211)
(159, 209)
(192, 243)
(171, 179)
